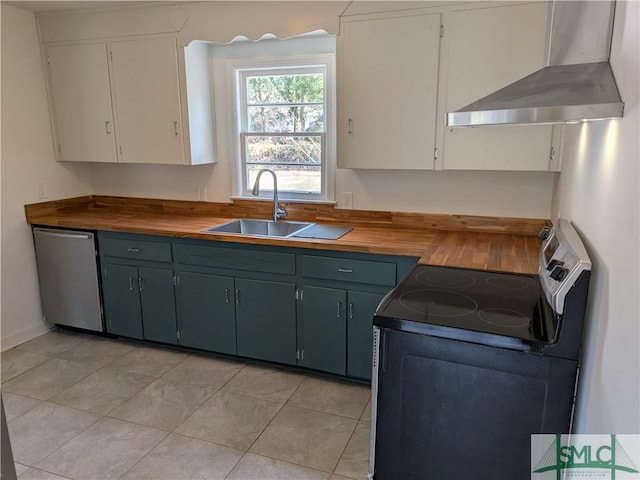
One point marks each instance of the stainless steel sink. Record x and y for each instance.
(263, 228)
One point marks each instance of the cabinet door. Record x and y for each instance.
(323, 335)
(79, 84)
(487, 49)
(158, 305)
(266, 320)
(388, 67)
(121, 298)
(147, 100)
(360, 310)
(206, 312)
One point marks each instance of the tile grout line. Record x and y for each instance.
(147, 453)
(345, 449)
(65, 443)
(274, 417)
(303, 408)
(49, 357)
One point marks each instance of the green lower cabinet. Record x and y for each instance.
(196, 294)
(139, 302)
(157, 298)
(266, 320)
(361, 307)
(206, 312)
(323, 329)
(121, 297)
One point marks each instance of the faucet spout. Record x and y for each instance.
(278, 211)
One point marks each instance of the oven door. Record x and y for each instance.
(450, 409)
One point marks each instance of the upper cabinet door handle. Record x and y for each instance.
(350, 127)
(107, 127)
(175, 128)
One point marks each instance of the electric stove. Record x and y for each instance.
(468, 364)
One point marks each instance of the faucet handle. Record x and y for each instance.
(281, 211)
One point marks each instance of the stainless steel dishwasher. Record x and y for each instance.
(68, 277)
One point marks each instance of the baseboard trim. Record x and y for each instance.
(21, 336)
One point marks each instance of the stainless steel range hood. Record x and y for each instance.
(577, 84)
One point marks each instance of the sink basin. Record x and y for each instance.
(263, 228)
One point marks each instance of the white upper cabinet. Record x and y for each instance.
(388, 90)
(79, 84)
(486, 48)
(146, 95)
(126, 101)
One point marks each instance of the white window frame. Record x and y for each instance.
(237, 70)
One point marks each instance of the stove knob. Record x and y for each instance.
(558, 273)
(544, 233)
(553, 264)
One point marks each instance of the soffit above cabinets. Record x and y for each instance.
(46, 7)
(213, 21)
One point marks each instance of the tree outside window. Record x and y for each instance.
(283, 124)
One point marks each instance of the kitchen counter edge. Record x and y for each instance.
(484, 243)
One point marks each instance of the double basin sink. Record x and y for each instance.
(263, 228)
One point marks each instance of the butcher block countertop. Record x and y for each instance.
(485, 243)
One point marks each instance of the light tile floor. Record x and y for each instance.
(86, 407)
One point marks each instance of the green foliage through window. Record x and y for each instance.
(284, 126)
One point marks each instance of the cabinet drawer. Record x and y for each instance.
(236, 259)
(138, 249)
(360, 271)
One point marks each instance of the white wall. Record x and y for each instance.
(598, 191)
(27, 160)
(508, 194)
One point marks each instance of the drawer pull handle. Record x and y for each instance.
(133, 250)
(345, 270)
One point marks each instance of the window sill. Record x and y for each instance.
(286, 200)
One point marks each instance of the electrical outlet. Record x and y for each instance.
(347, 200)
(201, 193)
(42, 190)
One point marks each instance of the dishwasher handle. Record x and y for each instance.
(77, 236)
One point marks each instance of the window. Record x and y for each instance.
(283, 127)
(284, 123)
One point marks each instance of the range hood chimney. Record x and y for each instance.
(576, 85)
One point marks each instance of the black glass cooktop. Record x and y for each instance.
(486, 307)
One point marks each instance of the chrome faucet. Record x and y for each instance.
(277, 210)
